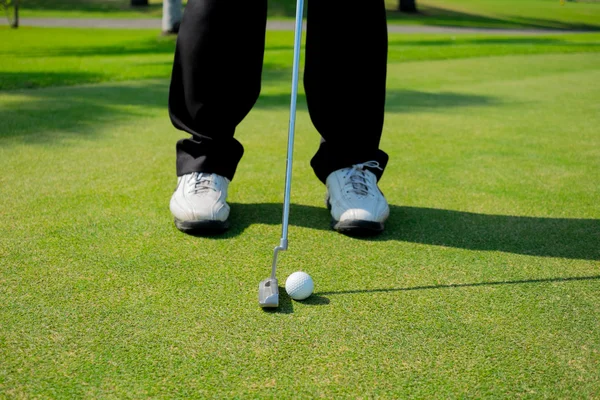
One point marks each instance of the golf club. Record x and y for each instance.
(268, 289)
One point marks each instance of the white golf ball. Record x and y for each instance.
(299, 285)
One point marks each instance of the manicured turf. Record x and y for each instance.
(122, 9)
(89, 9)
(75, 56)
(582, 14)
(486, 282)
(554, 14)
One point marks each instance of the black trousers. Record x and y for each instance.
(217, 71)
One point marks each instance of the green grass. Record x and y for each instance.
(76, 56)
(485, 283)
(584, 15)
(547, 14)
(122, 9)
(89, 9)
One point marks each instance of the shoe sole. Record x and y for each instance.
(202, 227)
(356, 227)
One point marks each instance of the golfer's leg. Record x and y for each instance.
(345, 77)
(216, 81)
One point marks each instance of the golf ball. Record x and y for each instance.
(299, 285)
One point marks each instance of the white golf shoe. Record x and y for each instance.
(198, 204)
(357, 205)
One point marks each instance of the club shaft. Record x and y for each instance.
(292, 126)
(291, 132)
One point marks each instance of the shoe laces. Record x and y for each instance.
(203, 182)
(357, 182)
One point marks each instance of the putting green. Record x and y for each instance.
(485, 283)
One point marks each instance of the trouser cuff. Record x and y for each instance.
(212, 157)
(324, 162)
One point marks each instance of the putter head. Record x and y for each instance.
(268, 293)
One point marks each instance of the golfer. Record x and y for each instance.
(216, 81)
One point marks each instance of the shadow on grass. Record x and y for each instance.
(436, 16)
(166, 45)
(397, 101)
(148, 46)
(47, 116)
(287, 8)
(553, 24)
(466, 285)
(50, 115)
(34, 79)
(154, 46)
(286, 304)
(546, 237)
(502, 40)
